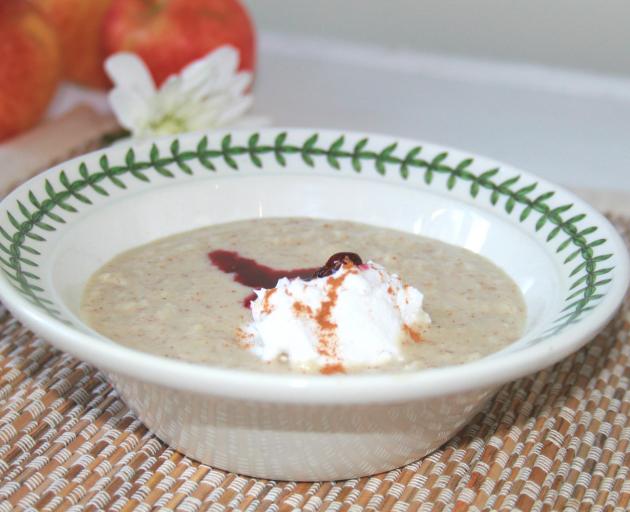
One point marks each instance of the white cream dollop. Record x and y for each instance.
(358, 316)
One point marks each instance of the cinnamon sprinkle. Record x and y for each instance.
(302, 309)
(330, 369)
(326, 347)
(412, 333)
(243, 339)
(266, 307)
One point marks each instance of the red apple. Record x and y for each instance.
(30, 66)
(79, 25)
(169, 34)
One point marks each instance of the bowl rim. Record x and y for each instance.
(114, 358)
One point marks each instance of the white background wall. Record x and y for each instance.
(584, 34)
(464, 78)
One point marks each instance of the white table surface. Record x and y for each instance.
(570, 127)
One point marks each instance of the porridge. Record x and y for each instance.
(179, 297)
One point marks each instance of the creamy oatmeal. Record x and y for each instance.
(168, 298)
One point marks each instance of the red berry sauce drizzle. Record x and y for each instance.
(252, 274)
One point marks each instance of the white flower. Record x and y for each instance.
(208, 93)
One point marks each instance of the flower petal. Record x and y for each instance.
(208, 93)
(223, 61)
(132, 97)
(129, 71)
(130, 112)
(234, 109)
(240, 83)
(212, 73)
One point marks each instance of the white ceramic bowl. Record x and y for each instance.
(58, 228)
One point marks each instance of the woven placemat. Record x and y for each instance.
(558, 440)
